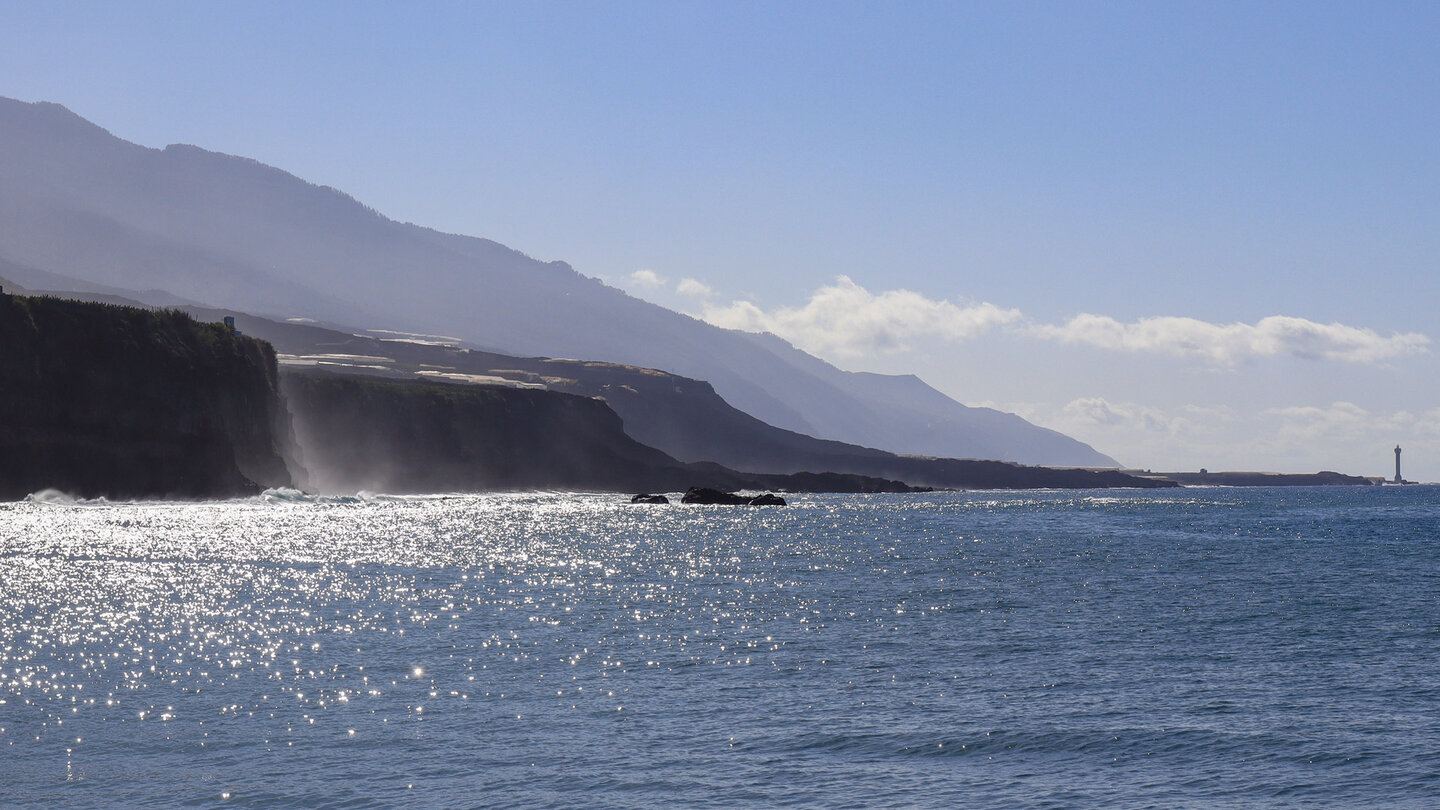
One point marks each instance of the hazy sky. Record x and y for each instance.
(1191, 234)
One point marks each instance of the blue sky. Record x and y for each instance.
(1191, 234)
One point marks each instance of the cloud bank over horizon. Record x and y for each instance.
(845, 319)
(1232, 343)
(1224, 437)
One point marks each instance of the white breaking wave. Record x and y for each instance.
(286, 495)
(56, 497)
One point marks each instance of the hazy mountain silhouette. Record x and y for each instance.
(77, 202)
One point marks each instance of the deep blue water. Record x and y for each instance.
(1195, 648)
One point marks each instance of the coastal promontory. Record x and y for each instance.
(123, 402)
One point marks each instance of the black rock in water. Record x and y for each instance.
(707, 496)
(645, 497)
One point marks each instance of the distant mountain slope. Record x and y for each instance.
(902, 414)
(229, 231)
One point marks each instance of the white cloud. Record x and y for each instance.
(1099, 411)
(1228, 344)
(691, 288)
(1341, 436)
(1090, 414)
(647, 278)
(1312, 421)
(845, 318)
(1346, 420)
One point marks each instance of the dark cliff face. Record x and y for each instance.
(406, 436)
(687, 420)
(119, 402)
(411, 436)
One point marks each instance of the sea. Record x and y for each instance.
(1190, 648)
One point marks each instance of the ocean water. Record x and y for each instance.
(1188, 648)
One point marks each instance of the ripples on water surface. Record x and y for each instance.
(1214, 648)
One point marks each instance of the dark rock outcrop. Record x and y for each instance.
(646, 497)
(364, 434)
(130, 403)
(709, 497)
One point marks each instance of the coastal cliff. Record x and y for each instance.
(408, 436)
(682, 417)
(122, 402)
(365, 434)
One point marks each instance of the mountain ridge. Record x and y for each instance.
(233, 232)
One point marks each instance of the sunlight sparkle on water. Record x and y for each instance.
(392, 643)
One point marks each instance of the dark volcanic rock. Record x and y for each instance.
(708, 496)
(645, 497)
(369, 434)
(120, 402)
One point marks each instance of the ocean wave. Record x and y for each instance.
(286, 495)
(55, 497)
